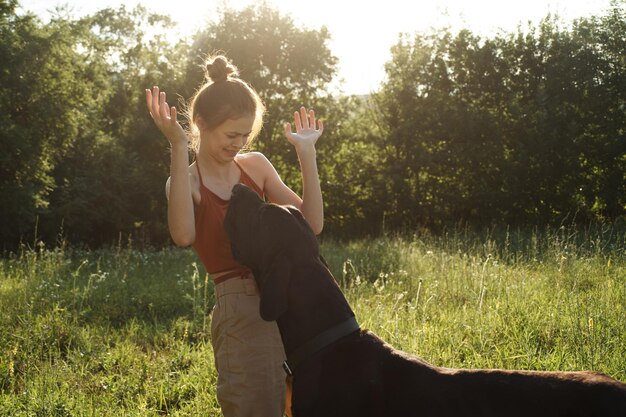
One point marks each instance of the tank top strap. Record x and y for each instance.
(247, 180)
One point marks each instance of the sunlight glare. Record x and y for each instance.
(362, 33)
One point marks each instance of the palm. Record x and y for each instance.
(304, 136)
(307, 130)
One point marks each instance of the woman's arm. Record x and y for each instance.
(312, 203)
(180, 212)
(308, 130)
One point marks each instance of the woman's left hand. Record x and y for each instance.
(307, 132)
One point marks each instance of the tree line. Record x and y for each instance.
(522, 128)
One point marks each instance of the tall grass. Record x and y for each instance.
(120, 332)
(553, 299)
(124, 332)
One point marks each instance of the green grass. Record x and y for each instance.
(124, 332)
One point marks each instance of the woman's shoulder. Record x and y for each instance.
(251, 157)
(255, 161)
(257, 166)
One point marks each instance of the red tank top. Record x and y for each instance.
(212, 244)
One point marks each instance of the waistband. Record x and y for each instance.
(239, 273)
(243, 284)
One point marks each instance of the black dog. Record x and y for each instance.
(340, 370)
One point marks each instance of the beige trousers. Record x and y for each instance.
(248, 353)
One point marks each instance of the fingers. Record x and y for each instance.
(152, 101)
(312, 119)
(163, 104)
(298, 121)
(157, 105)
(287, 128)
(164, 107)
(305, 120)
(155, 100)
(149, 100)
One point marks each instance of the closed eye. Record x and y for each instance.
(235, 135)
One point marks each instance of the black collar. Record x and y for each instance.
(318, 343)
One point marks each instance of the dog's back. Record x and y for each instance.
(410, 382)
(363, 376)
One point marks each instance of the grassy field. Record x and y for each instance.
(124, 332)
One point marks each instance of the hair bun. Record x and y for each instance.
(218, 68)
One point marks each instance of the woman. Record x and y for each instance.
(225, 115)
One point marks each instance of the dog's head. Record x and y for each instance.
(268, 238)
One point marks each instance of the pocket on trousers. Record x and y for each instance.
(249, 322)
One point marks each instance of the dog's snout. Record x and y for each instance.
(235, 189)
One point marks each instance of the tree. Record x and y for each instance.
(79, 150)
(522, 128)
(113, 181)
(526, 127)
(441, 105)
(566, 130)
(605, 164)
(44, 88)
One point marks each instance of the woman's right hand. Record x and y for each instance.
(164, 116)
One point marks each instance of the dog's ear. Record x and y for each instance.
(275, 288)
(299, 216)
(305, 226)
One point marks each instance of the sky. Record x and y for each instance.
(362, 31)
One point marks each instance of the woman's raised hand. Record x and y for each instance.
(164, 116)
(307, 132)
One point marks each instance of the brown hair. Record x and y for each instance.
(223, 96)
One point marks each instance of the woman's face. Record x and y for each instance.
(227, 139)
